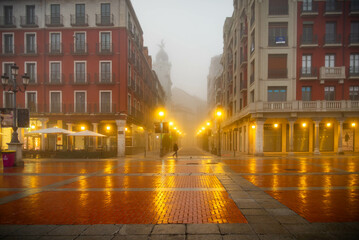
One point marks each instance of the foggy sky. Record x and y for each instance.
(193, 33)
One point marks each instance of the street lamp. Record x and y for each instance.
(9, 83)
(219, 116)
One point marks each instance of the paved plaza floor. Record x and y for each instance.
(194, 196)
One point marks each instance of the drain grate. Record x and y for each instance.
(291, 169)
(212, 163)
(192, 163)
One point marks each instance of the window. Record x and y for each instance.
(30, 69)
(55, 102)
(30, 43)
(306, 65)
(105, 13)
(330, 5)
(8, 99)
(277, 94)
(278, 34)
(329, 93)
(8, 15)
(129, 104)
(330, 60)
(354, 65)
(55, 41)
(80, 14)
(80, 102)
(105, 42)
(30, 14)
(129, 76)
(307, 37)
(252, 42)
(80, 72)
(307, 5)
(55, 14)
(306, 93)
(105, 71)
(31, 100)
(55, 72)
(354, 93)
(277, 66)
(278, 7)
(105, 101)
(7, 68)
(354, 32)
(80, 42)
(8, 43)
(252, 96)
(330, 32)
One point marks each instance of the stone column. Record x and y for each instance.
(340, 137)
(70, 139)
(316, 133)
(95, 129)
(44, 125)
(291, 135)
(121, 137)
(258, 147)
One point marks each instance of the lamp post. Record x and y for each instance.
(9, 83)
(161, 114)
(219, 115)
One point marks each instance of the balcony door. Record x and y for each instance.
(306, 64)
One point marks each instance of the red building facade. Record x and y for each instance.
(88, 70)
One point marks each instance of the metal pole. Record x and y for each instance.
(14, 138)
(161, 139)
(219, 137)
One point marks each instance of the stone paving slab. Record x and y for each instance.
(202, 229)
(168, 237)
(235, 228)
(68, 230)
(204, 237)
(135, 229)
(169, 229)
(102, 229)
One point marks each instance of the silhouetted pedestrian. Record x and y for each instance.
(175, 149)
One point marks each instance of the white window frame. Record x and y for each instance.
(25, 41)
(50, 110)
(3, 98)
(3, 66)
(306, 64)
(100, 72)
(26, 103)
(50, 33)
(100, 42)
(354, 63)
(75, 75)
(50, 62)
(80, 91)
(105, 91)
(75, 39)
(3, 41)
(329, 59)
(25, 67)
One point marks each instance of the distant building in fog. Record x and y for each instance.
(214, 76)
(162, 67)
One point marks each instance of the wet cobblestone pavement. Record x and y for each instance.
(196, 196)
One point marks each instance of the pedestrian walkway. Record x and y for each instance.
(194, 196)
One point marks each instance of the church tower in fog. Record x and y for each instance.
(163, 70)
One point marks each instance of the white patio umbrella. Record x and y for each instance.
(86, 133)
(53, 130)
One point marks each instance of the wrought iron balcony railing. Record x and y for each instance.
(27, 21)
(79, 20)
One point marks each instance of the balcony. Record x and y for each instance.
(251, 79)
(243, 85)
(8, 50)
(243, 59)
(243, 34)
(104, 48)
(55, 49)
(308, 41)
(353, 40)
(7, 22)
(55, 79)
(277, 41)
(28, 22)
(308, 73)
(79, 20)
(105, 78)
(104, 20)
(332, 73)
(278, 10)
(332, 40)
(79, 78)
(278, 73)
(54, 21)
(309, 9)
(29, 50)
(79, 49)
(354, 74)
(333, 8)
